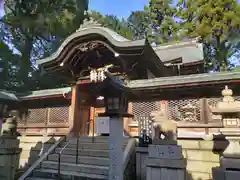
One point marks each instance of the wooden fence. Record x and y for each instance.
(192, 115)
(44, 121)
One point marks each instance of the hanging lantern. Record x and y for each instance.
(101, 75)
(93, 75)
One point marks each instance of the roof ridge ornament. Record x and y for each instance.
(89, 22)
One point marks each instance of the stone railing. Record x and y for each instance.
(42, 158)
(129, 160)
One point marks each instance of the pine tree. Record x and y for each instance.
(164, 27)
(139, 22)
(216, 22)
(35, 29)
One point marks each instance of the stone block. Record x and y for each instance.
(189, 144)
(198, 176)
(230, 163)
(9, 156)
(202, 155)
(184, 153)
(36, 139)
(232, 175)
(165, 151)
(6, 160)
(166, 163)
(230, 131)
(8, 142)
(218, 173)
(200, 166)
(163, 142)
(23, 163)
(27, 154)
(206, 145)
(165, 174)
(216, 145)
(6, 173)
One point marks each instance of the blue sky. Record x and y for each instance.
(120, 8)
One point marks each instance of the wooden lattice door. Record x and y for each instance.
(84, 119)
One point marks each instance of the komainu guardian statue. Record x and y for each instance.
(9, 126)
(164, 128)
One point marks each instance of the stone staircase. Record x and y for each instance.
(93, 160)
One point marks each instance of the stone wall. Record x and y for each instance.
(32, 148)
(201, 156)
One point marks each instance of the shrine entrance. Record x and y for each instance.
(84, 57)
(88, 108)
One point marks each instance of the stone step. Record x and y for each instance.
(67, 175)
(38, 178)
(97, 139)
(80, 168)
(85, 145)
(102, 161)
(84, 152)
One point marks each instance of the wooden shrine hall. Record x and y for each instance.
(151, 72)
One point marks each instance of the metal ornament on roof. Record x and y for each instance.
(88, 23)
(97, 75)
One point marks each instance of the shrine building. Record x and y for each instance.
(168, 77)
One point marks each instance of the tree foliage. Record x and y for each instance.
(35, 29)
(164, 27)
(139, 22)
(114, 23)
(216, 22)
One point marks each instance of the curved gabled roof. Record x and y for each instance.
(139, 50)
(112, 39)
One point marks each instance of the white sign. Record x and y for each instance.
(102, 125)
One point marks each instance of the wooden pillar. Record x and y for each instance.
(127, 121)
(203, 113)
(92, 121)
(74, 112)
(80, 112)
(164, 108)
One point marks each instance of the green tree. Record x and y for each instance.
(217, 22)
(7, 67)
(35, 29)
(114, 23)
(237, 69)
(139, 22)
(164, 27)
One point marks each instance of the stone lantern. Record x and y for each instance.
(9, 144)
(115, 95)
(230, 112)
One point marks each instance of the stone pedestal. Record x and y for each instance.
(9, 157)
(165, 162)
(116, 148)
(230, 161)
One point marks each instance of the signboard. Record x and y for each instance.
(102, 125)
